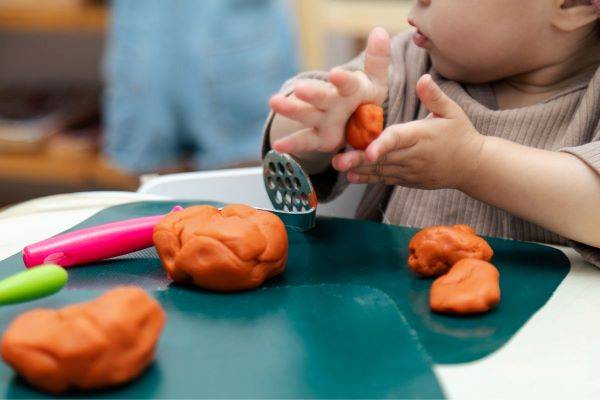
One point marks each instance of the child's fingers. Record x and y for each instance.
(392, 180)
(399, 159)
(435, 99)
(296, 109)
(358, 159)
(304, 140)
(377, 56)
(386, 170)
(348, 160)
(395, 137)
(322, 95)
(346, 82)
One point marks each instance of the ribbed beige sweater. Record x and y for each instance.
(569, 122)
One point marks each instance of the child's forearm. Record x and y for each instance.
(555, 190)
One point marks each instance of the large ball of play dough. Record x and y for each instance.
(233, 249)
(364, 126)
(101, 343)
(434, 250)
(470, 287)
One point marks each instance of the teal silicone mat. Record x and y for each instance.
(306, 341)
(337, 265)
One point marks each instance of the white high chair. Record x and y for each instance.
(242, 185)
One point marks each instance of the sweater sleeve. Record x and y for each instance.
(588, 123)
(589, 152)
(408, 64)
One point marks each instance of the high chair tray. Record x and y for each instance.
(346, 319)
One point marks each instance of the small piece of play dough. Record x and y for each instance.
(233, 249)
(434, 250)
(364, 126)
(470, 287)
(98, 344)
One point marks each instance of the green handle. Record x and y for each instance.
(32, 284)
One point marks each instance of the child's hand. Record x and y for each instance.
(323, 108)
(440, 151)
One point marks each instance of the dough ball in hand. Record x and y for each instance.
(233, 249)
(432, 251)
(364, 126)
(470, 287)
(98, 344)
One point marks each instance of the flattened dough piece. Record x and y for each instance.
(93, 345)
(470, 287)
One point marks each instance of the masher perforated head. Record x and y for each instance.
(289, 188)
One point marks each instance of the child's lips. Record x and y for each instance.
(420, 39)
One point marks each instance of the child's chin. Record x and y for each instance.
(458, 73)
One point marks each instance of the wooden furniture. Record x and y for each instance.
(52, 16)
(36, 171)
(350, 18)
(317, 19)
(89, 171)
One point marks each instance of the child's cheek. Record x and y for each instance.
(475, 60)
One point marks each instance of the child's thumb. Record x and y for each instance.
(377, 56)
(436, 101)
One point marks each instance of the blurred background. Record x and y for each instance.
(96, 95)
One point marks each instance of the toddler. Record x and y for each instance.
(492, 120)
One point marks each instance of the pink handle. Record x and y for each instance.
(93, 244)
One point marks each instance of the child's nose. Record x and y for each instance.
(424, 2)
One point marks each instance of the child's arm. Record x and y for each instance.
(553, 189)
(310, 123)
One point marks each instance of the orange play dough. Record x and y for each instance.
(364, 126)
(434, 250)
(235, 249)
(101, 343)
(470, 287)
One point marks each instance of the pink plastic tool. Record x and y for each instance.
(93, 244)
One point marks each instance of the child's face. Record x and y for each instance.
(485, 40)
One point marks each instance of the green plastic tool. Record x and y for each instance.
(32, 284)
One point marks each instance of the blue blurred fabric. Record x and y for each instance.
(194, 77)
